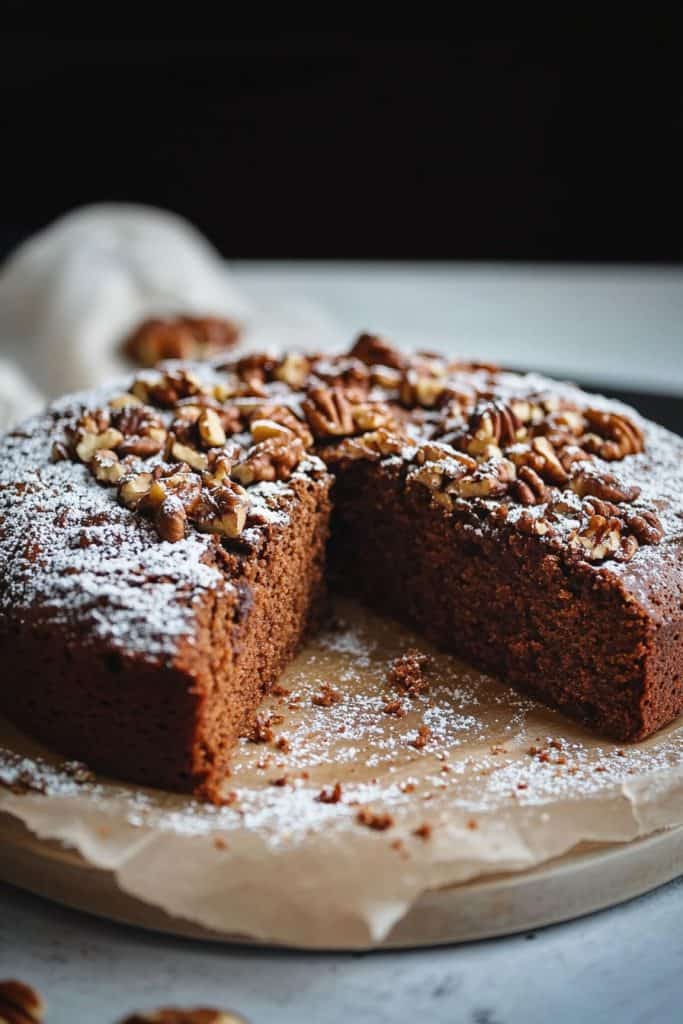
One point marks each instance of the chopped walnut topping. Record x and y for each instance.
(190, 456)
(166, 389)
(144, 433)
(272, 459)
(601, 538)
(106, 467)
(644, 525)
(422, 387)
(211, 431)
(283, 417)
(222, 510)
(293, 370)
(371, 446)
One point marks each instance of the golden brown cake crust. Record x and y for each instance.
(162, 545)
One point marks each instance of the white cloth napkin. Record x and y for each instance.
(70, 294)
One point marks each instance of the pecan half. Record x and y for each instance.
(494, 423)
(591, 483)
(375, 351)
(529, 488)
(644, 525)
(20, 1004)
(613, 435)
(329, 412)
(179, 337)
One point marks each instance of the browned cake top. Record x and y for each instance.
(133, 490)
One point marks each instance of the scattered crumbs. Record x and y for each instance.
(263, 762)
(424, 734)
(330, 794)
(522, 785)
(556, 744)
(394, 708)
(445, 768)
(407, 787)
(279, 691)
(326, 696)
(621, 753)
(262, 729)
(220, 843)
(408, 672)
(397, 844)
(424, 831)
(471, 824)
(498, 749)
(380, 821)
(280, 781)
(283, 744)
(304, 775)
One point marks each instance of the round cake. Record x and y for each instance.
(166, 543)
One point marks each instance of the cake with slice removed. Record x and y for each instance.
(163, 546)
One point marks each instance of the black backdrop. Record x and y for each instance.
(332, 145)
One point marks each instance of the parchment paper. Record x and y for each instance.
(500, 785)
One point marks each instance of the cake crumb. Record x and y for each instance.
(407, 673)
(261, 730)
(330, 794)
(377, 820)
(280, 781)
(283, 744)
(326, 697)
(220, 843)
(424, 831)
(279, 691)
(424, 734)
(472, 824)
(394, 708)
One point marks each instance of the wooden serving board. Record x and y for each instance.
(587, 880)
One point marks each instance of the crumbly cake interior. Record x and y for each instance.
(162, 545)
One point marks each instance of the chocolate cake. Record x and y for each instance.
(163, 545)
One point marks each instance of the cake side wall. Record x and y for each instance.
(127, 719)
(566, 634)
(281, 590)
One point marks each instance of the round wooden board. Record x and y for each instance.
(589, 879)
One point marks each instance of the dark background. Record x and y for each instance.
(564, 146)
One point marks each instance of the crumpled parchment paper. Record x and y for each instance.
(496, 783)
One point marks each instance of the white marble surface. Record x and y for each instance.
(623, 965)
